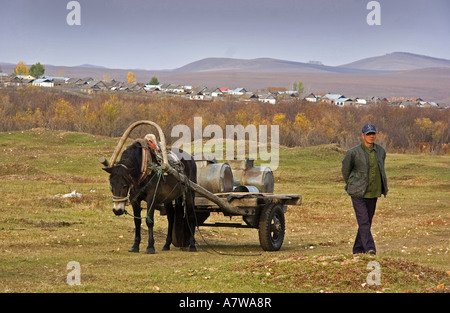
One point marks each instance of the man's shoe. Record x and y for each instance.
(371, 252)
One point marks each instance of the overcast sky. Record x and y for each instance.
(167, 34)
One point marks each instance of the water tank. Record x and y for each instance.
(261, 177)
(215, 177)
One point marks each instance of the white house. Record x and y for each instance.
(343, 101)
(237, 91)
(43, 82)
(311, 98)
(268, 98)
(361, 101)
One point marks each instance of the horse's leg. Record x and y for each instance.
(150, 222)
(170, 215)
(191, 220)
(137, 227)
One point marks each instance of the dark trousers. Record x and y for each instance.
(364, 211)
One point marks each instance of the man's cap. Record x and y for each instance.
(369, 128)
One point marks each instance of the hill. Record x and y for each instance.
(395, 74)
(261, 65)
(397, 61)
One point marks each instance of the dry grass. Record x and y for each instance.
(40, 234)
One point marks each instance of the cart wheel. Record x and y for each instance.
(271, 227)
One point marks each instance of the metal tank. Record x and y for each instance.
(214, 177)
(245, 174)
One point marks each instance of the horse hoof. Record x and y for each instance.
(150, 251)
(165, 248)
(192, 249)
(134, 249)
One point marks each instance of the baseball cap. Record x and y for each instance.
(369, 128)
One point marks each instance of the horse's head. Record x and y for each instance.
(121, 183)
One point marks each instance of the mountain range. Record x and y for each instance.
(397, 61)
(393, 74)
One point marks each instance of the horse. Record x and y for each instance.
(129, 183)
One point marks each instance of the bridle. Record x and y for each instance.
(127, 197)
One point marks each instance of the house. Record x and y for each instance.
(311, 98)
(331, 98)
(152, 88)
(17, 81)
(197, 93)
(43, 82)
(343, 101)
(213, 92)
(287, 95)
(237, 91)
(57, 80)
(172, 88)
(94, 86)
(25, 77)
(361, 101)
(425, 104)
(268, 98)
(248, 96)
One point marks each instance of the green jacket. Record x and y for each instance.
(355, 170)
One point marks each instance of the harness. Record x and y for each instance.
(149, 147)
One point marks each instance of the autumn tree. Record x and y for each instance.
(131, 77)
(37, 70)
(111, 112)
(425, 130)
(21, 69)
(63, 115)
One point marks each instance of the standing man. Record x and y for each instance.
(365, 178)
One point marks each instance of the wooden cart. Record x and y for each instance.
(263, 211)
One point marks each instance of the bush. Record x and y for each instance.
(301, 123)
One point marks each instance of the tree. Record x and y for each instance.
(154, 81)
(131, 78)
(37, 70)
(21, 69)
(111, 112)
(298, 87)
(64, 115)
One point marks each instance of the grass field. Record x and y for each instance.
(41, 233)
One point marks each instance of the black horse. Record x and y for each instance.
(127, 184)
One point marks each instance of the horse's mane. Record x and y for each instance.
(132, 159)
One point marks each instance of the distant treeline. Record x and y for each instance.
(301, 123)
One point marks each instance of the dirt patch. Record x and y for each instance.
(43, 224)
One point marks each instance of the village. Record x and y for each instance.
(88, 85)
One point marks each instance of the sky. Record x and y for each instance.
(167, 34)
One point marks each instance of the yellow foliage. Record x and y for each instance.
(302, 123)
(279, 119)
(131, 77)
(21, 69)
(63, 115)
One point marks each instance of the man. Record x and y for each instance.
(365, 178)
